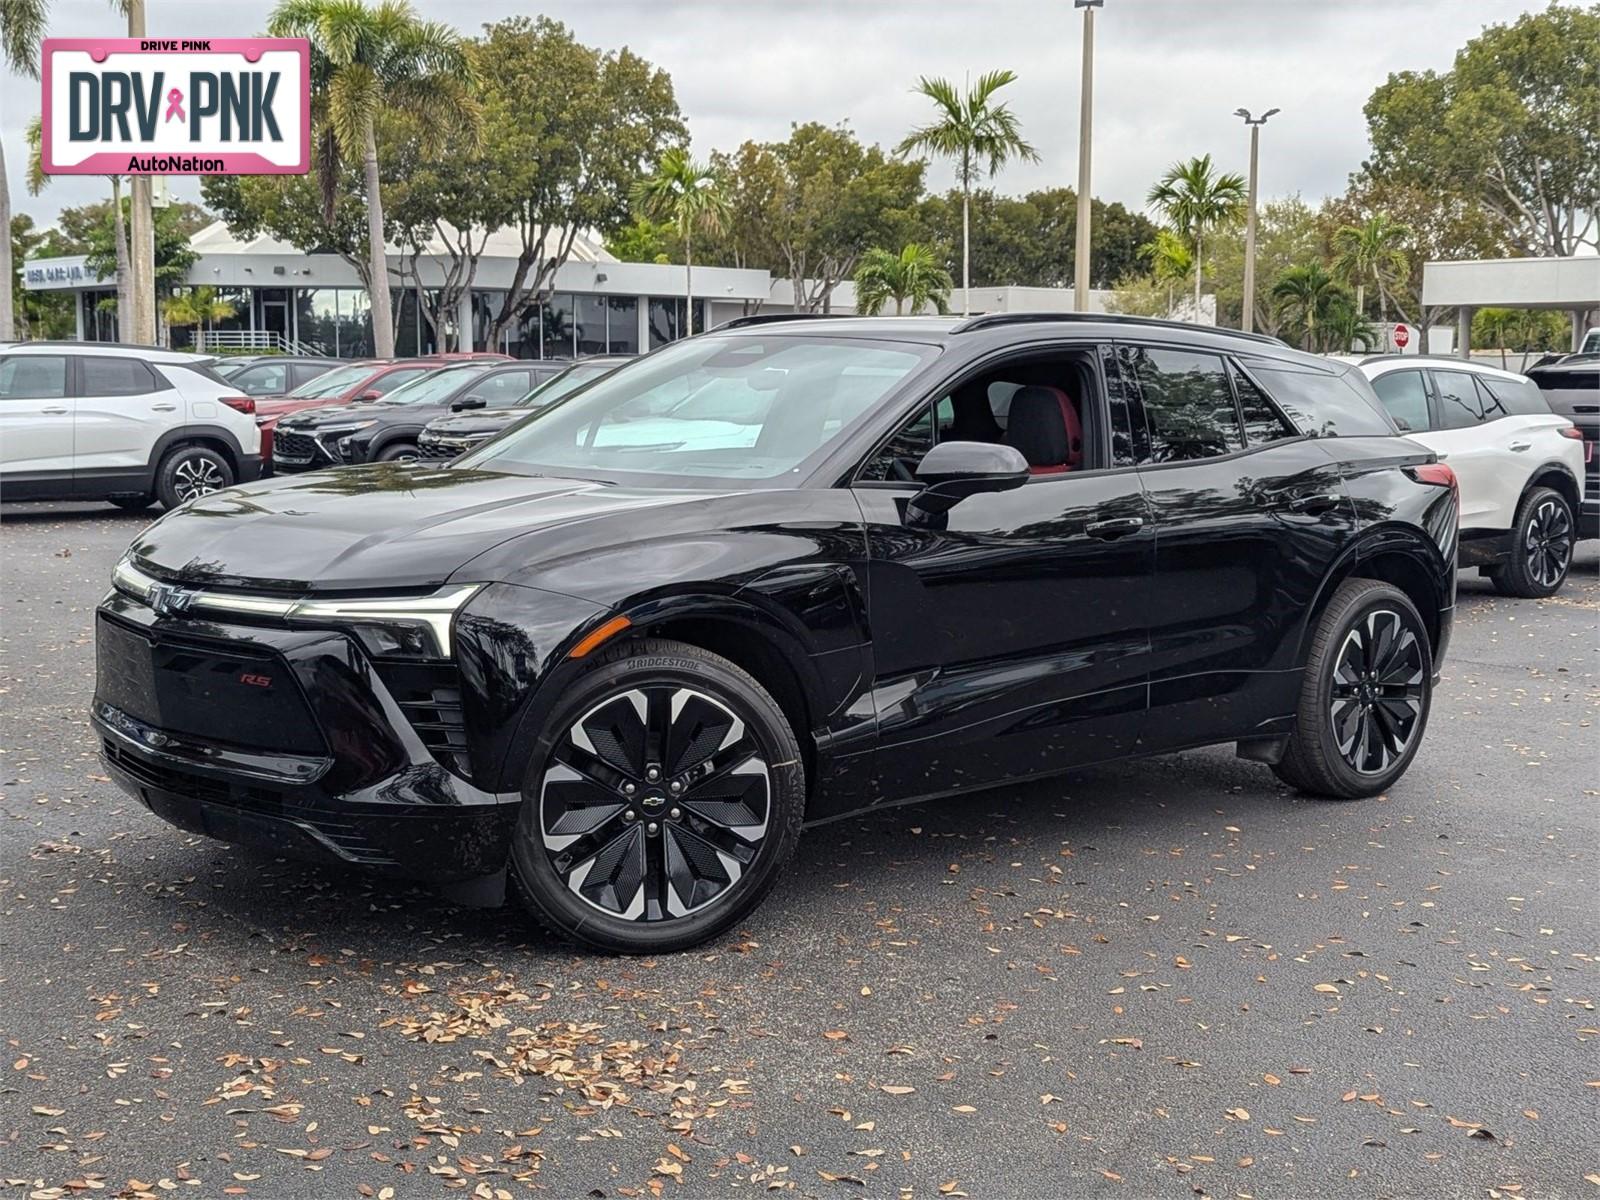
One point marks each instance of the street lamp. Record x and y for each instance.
(1248, 321)
(1080, 280)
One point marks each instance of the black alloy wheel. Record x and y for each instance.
(663, 804)
(1365, 692)
(1541, 550)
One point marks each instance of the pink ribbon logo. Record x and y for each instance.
(175, 105)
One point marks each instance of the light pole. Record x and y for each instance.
(1248, 321)
(1080, 278)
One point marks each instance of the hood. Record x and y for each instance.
(277, 406)
(337, 414)
(491, 420)
(371, 528)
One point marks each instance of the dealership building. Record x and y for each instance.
(284, 299)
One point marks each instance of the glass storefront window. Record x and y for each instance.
(316, 314)
(559, 325)
(667, 319)
(622, 323)
(591, 325)
(355, 324)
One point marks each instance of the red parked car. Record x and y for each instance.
(360, 380)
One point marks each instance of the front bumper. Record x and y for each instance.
(336, 757)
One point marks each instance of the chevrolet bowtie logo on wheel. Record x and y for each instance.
(169, 601)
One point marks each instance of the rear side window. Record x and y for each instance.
(1262, 421)
(394, 379)
(1460, 406)
(500, 390)
(1405, 395)
(1516, 397)
(263, 379)
(1188, 403)
(1324, 405)
(116, 377)
(33, 377)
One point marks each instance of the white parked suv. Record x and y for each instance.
(128, 424)
(1520, 467)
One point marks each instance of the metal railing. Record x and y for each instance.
(266, 340)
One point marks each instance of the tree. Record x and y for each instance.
(1305, 294)
(688, 196)
(1510, 129)
(196, 306)
(1195, 199)
(914, 276)
(568, 130)
(974, 131)
(365, 60)
(1170, 259)
(1288, 232)
(809, 207)
(101, 230)
(644, 241)
(40, 314)
(22, 25)
(1371, 250)
(1029, 240)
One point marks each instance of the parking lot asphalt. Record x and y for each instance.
(1164, 978)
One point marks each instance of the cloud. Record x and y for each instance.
(1168, 73)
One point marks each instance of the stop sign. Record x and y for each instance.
(1402, 335)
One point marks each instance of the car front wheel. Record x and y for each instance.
(1541, 547)
(1364, 696)
(660, 804)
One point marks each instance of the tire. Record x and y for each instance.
(133, 503)
(1542, 538)
(189, 471)
(1379, 724)
(714, 851)
(398, 452)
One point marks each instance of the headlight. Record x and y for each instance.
(387, 625)
(343, 430)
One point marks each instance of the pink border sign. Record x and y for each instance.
(109, 162)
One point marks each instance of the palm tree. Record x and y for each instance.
(1195, 199)
(365, 59)
(913, 276)
(22, 25)
(197, 306)
(37, 180)
(973, 131)
(1372, 251)
(1304, 293)
(689, 196)
(1170, 260)
(1344, 324)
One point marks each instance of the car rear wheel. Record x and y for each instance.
(1364, 696)
(1541, 547)
(660, 804)
(190, 471)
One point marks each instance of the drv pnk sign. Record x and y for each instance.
(156, 106)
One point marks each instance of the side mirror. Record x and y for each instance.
(468, 402)
(373, 394)
(952, 471)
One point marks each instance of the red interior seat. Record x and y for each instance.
(1044, 426)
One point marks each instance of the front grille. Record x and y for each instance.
(342, 832)
(288, 444)
(430, 696)
(440, 449)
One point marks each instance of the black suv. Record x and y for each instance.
(456, 432)
(386, 429)
(774, 574)
(1572, 389)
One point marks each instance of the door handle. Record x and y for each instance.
(1108, 531)
(164, 407)
(54, 412)
(1520, 446)
(1314, 504)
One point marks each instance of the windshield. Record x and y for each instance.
(569, 380)
(340, 379)
(711, 408)
(435, 387)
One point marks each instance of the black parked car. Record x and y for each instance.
(386, 430)
(621, 655)
(1572, 389)
(445, 437)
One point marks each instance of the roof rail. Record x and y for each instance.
(990, 320)
(774, 318)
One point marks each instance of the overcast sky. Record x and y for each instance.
(1168, 73)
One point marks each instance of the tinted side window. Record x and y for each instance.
(264, 379)
(1188, 405)
(1324, 405)
(1459, 406)
(1405, 396)
(1517, 397)
(116, 377)
(33, 377)
(1262, 421)
(899, 456)
(393, 380)
(500, 390)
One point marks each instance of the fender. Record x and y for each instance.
(387, 436)
(1368, 545)
(189, 433)
(1556, 466)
